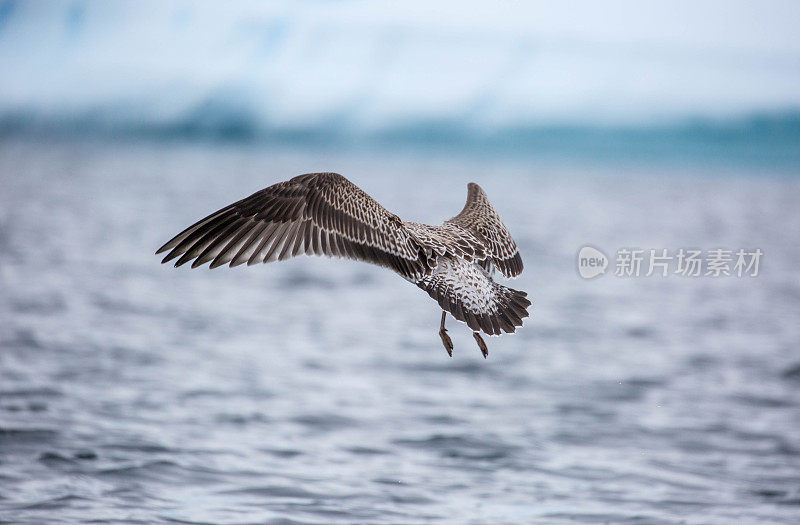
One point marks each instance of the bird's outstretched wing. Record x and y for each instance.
(315, 214)
(468, 292)
(480, 218)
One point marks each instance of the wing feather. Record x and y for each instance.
(288, 241)
(218, 243)
(233, 246)
(263, 243)
(275, 243)
(249, 246)
(316, 213)
(480, 218)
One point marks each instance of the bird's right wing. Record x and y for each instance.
(315, 214)
(480, 218)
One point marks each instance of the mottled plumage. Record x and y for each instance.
(326, 214)
(468, 292)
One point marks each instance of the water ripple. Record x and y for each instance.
(319, 393)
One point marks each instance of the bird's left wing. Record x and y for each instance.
(315, 214)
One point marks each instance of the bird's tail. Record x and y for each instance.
(470, 295)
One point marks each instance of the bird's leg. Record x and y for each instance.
(481, 344)
(448, 343)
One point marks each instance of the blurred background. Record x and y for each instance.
(317, 391)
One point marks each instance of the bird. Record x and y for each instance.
(326, 214)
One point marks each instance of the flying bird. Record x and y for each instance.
(326, 214)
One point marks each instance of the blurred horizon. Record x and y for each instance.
(709, 81)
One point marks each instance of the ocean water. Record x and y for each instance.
(316, 391)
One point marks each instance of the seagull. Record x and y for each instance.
(326, 214)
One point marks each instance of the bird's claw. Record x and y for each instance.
(481, 344)
(446, 341)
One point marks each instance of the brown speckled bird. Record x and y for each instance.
(326, 214)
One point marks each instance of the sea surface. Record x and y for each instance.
(317, 391)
